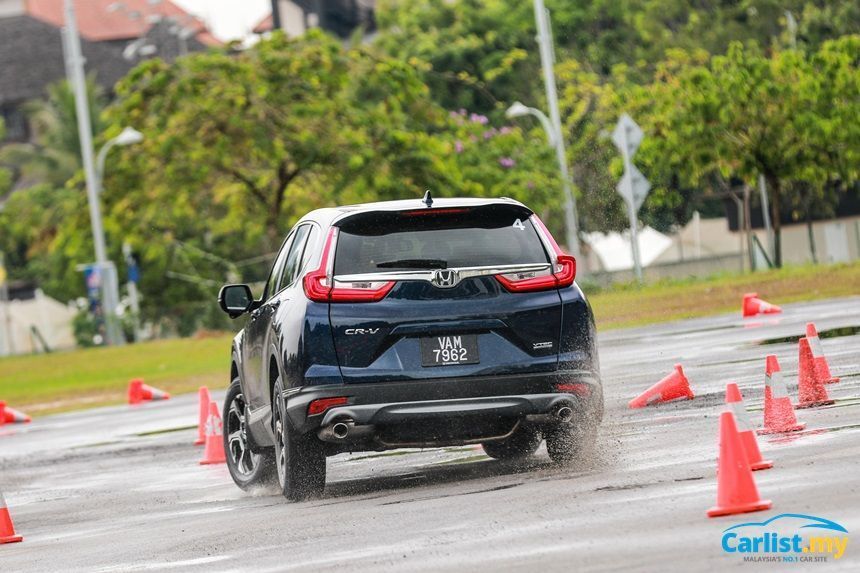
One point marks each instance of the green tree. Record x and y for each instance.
(5, 174)
(31, 220)
(472, 53)
(493, 161)
(476, 54)
(745, 114)
(238, 146)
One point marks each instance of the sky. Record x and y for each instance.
(228, 19)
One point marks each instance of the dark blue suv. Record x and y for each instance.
(410, 324)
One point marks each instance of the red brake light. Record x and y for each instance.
(428, 211)
(574, 388)
(319, 284)
(531, 284)
(566, 272)
(561, 276)
(322, 404)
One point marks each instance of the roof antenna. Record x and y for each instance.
(428, 199)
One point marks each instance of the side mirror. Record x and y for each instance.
(235, 300)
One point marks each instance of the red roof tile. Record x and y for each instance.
(98, 23)
(265, 25)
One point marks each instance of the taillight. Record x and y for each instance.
(322, 404)
(320, 285)
(528, 282)
(361, 292)
(561, 275)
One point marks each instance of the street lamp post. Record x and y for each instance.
(106, 268)
(128, 136)
(552, 124)
(555, 140)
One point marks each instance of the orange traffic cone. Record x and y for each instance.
(753, 305)
(778, 412)
(822, 368)
(214, 452)
(810, 389)
(13, 416)
(735, 402)
(736, 489)
(203, 410)
(673, 386)
(7, 529)
(139, 392)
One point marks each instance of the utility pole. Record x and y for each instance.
(632, 210)
(107, 270)
(547, 58)
(8, 348)
(765, 211)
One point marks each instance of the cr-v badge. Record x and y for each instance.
(351, 331)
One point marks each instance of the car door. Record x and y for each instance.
(262, 321)
(288, 321)
(255, 376)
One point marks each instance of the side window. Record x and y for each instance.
(291, 267)
(310, 248)
(277, 268)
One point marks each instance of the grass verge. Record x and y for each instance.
(43, 384)
(630, 305)
(48, 383)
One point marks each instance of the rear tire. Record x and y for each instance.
(568, 443)
(523, 443)
(248, 469)
(300, 460)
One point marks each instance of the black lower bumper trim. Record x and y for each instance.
(512, 397)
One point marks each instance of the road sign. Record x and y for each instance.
(634, 191)
(627, 135)
(633, 186)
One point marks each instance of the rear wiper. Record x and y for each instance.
(414, 264)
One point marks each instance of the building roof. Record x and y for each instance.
(265, 25)
(31, 57)
(103, 20)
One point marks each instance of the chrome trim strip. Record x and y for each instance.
(427, 275)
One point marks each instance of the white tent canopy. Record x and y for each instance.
(615, 254)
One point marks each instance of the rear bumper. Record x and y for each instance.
(446, 412)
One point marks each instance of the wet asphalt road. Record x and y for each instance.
(119, 489)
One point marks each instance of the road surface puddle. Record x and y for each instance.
(831, 333)
(160, 566)
(795, 436)
(166, 431)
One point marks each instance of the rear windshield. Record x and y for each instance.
(436, 239)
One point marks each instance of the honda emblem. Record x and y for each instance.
(445, 278)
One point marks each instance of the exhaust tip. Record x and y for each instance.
(564, 414)
(340, 430)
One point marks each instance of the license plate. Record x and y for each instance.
(449, 350)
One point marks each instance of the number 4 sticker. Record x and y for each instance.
(519, 225)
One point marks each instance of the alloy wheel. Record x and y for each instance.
(244, 460)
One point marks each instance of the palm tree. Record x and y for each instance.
(53, 155)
